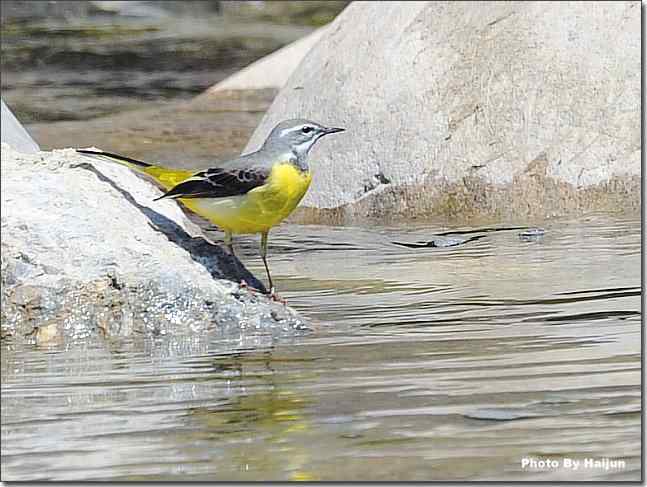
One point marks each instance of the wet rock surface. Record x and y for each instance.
(85, 251)
(460, 111)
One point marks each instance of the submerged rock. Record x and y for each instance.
(86, 250)
(440, 241)
(454, 238)
(453, 109)
(532, 234)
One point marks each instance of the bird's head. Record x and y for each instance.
(298, 135)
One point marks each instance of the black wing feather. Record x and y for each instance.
(219, 183)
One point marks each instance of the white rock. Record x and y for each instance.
(273, 70)
(443, 94)
(83, 243)
(14, 134)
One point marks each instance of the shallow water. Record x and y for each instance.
(422, 364)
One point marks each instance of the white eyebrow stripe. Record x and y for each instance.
(291, 129)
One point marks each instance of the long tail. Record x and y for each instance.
(167, 178)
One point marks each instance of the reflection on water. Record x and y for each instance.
(438, 363)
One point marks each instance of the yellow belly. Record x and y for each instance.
(261, 208)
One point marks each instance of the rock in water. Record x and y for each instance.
(271, 71)
(461, 109)
(85, 248)
(530, 234)
(441, 241)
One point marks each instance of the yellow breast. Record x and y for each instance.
(261, 208)
(285, 187)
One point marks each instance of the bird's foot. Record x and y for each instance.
(275, 297)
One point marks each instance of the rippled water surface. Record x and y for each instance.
(437, 363)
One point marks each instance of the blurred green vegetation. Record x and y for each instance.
(312, 13)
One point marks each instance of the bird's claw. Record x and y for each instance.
(275, 297)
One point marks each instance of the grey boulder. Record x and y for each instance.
(471, 109)
(85, 250)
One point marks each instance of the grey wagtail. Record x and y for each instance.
(249, 194)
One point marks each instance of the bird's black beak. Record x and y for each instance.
(333, 130)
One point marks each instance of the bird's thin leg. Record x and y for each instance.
(229, 240)
(264, 257)
(273, 293)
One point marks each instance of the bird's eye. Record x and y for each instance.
(307, 129)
